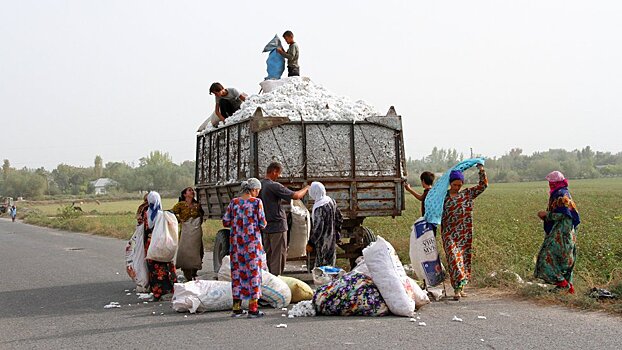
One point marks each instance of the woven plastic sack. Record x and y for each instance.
(423, 253)
(300, 230)
(164, 238)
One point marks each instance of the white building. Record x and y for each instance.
(102, 184)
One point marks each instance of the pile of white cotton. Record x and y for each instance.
(304, 308)
(301, 98)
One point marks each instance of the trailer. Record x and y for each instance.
(361, 164)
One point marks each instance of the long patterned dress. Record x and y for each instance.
(558, 253)
(327, 221)
(162, 275)
(457, 231)
(246, 219)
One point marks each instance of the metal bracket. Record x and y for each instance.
(259, 122)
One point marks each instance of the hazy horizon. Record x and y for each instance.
(120, 79)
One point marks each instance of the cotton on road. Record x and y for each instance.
(55, 285)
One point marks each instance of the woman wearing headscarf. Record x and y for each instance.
(326, 225)
(162, 274)
(559, 251)
(190, 252)
(457, 228)
(245, 216)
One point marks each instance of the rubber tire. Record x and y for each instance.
(221, 248)
(368, 237)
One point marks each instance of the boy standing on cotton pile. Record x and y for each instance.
(293, 70)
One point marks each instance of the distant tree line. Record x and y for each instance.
(158, 172)
(515, 166)
(154, 172)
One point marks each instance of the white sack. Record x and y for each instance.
(135, 263)
(202, 295)
(273, 290)
(423, 253)
(389, 276)
(300, 230)
(164, 238)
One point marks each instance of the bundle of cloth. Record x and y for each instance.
(435, 199)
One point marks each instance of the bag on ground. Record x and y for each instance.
(352, 294)
(202, 295)
(300, 290)
(300, 230)
(389, 276)
(423, 253)
(135, 263)
(326, 274)
(164, 238)
(273, 290)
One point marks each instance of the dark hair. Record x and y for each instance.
(216, 87)
(427, 178)
(182, 197)
(274, 166)
(288, 33)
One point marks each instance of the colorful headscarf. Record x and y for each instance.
(560, 200)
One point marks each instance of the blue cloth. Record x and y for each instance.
(569, 211)
(435, 199)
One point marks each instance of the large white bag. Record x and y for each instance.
(202, 295)
(164, 238)
(423, 253)
(273, 290)
(389, 276)
(135, 263)
(300, 230)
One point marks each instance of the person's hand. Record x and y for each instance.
(279, 50)
(407, 186)
(542, 214)
(309, 249)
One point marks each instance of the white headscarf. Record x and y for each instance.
(155, 207)
(250, 184)
(317, 191)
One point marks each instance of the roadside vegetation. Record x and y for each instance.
(508, 234)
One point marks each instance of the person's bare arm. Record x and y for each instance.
(217, 111)
(413, 192)
(243, 97)
(301, 193)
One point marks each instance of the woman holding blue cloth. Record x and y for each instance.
(457, 227)
(558, 253)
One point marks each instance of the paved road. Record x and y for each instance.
(55, 285)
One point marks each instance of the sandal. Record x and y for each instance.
(257, 314)
(235, 314)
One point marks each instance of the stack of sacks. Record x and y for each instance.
(400, 292)
(273, 290)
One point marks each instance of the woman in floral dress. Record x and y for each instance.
(457, 228)
(190, 252)
(558, 254)
(245, 216)
(162, 274)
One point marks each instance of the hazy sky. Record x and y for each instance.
(122, 78)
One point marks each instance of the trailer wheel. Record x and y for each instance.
(367, 236)
(221, 248)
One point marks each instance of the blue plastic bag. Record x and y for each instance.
(276, 65)
(275, 62)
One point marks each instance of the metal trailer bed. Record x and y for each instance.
(361, 164)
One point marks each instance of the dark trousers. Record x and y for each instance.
(293, 71)
(227, 108)
(275, 245)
